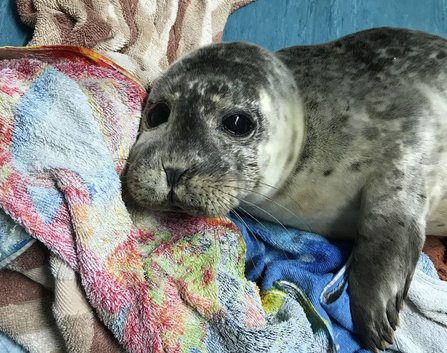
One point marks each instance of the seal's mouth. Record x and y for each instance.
(175, 208)
(170, 199)
(173, 202)
(197, 195)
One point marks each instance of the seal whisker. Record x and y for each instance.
(263, 226)
(214, 236)
(260, 208)
(254, 218)
(243, 222)
(249, 229)
(269, 214)
(276, 203)
(260, 223)
(270, 186)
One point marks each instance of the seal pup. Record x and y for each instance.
(347, 139)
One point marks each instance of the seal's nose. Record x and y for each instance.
(173, 176)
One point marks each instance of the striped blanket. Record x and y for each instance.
(143, 36)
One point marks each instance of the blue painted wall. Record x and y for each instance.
(275, 24)
(12, 30)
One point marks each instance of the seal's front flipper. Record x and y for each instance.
(391, 237)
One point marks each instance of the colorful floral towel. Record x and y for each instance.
(82, 65)
(170, 284)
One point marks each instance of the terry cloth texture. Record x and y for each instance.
(317, 270)
(143, 36)
(42, 305)
(424, 320)
(169, 284)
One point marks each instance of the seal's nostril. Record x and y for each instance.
(173, 176)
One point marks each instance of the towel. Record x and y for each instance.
(143, 36)
(423, 325)
(35, 287)
(50, 317)
(58, 318)
(166, 283)
(317, 271)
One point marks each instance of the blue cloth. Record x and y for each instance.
(426, 265)
(311, 262)
(318, 267)
(7, 345)
(14, 240)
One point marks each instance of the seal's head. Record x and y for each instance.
(219, 125)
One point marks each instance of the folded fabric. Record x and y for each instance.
(170, 284)
(239, 325)
(44, 309)
(423, 325)
(7, 345)
(424, 312)
(319, 269)
(35, 329)
(14, 241)
(143, 36)
(113, 91)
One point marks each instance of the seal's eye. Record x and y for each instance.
(158, 115)
(237, 124)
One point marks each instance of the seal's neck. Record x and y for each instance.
(279, 154)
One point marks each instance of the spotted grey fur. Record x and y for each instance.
(350, 141)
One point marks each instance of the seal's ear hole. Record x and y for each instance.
(237, 124)
(159, 114)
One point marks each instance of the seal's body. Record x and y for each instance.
(375, 105)
(346, 139)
